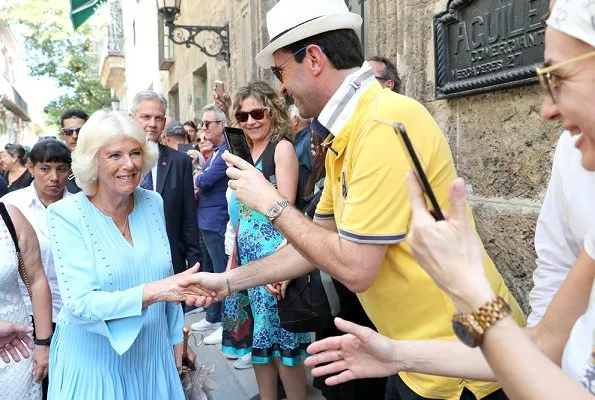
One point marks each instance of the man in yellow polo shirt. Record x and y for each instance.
(363, 216)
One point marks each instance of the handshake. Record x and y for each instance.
(192, 287)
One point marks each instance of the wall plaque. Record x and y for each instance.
(485, 45)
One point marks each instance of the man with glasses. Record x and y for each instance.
(212, 213)
(171, 177)
(362, 220)
(386, 73)
(71, 123)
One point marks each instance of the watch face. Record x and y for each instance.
(274, 211)
(465, 333)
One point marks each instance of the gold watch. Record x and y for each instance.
(470, 328)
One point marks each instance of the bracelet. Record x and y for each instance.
(228, 285)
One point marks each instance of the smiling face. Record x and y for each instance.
(575, 94)
(256, 130)
(50, 178)
(120, 167)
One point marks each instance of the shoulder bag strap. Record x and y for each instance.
(13, 234)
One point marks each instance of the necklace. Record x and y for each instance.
(124, 228)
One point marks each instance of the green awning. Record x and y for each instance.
(82, 10)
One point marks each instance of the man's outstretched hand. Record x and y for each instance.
(204, 288)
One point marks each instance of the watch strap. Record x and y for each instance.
(491, 312)
(43, 342)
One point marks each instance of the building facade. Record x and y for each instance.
(500, 144)
(14, 111)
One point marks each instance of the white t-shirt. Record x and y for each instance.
(578, 359)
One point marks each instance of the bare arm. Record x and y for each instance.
(41, 297)
(286, 170)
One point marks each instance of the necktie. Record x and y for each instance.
(147, 182)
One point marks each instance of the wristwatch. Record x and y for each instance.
(470, 328)
(43, 342)
(275, 209)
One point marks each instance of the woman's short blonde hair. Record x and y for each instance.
(106, 127)
(269, 98)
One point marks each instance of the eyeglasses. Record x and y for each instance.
(277, 71)
(70, 131)
(257, 114)
(206, 124)
(550, 81)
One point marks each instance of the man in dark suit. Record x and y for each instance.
(171, 177)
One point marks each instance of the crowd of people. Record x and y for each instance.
(104, 228)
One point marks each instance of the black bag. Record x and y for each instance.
(305, 307)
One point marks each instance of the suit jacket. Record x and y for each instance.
(174, 184)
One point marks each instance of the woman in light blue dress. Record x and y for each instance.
(119, 332)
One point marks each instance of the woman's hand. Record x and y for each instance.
(449, 250)
(14, 341)
(362, 353)
(41, 356)
(167, 289)
(278, 289)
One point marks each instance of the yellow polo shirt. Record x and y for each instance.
(366, 194)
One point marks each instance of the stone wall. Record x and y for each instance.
(500, 144)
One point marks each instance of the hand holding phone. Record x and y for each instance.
(237, 143)
(219, 88)
(418, 170)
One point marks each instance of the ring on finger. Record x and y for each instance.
(340, 354)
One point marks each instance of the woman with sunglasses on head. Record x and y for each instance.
(261, 113)
(14, 159)
(554, 360)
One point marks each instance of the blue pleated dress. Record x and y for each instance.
(106, 346)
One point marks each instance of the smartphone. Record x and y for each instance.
(419, 172)
(184, 147)
(237, 143)
(219, 88)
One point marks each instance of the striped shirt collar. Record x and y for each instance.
(342, 104)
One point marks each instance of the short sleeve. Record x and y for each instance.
(377, 208)
(324, 209)
(117, 315)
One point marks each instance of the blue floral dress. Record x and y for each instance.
(251, 319)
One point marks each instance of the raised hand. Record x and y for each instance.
(14, 341)
(362, 353)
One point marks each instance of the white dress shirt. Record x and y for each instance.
(565, 218)
(27, 201)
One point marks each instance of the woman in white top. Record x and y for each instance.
(526, 362)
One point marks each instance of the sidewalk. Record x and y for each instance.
(232, 384)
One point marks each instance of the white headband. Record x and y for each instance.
(575, 18)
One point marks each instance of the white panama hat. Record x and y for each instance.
(290, 21)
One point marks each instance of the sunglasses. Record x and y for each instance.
(550, 81)
(205, 124)
(256, 114)
(70, 131)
